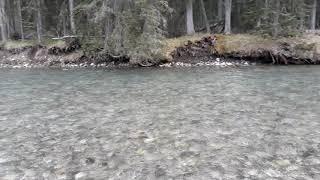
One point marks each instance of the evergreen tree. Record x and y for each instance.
(137, 27)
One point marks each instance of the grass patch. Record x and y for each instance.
(305, 46)
(19, 44)
(54, 43)
(243, 43)
(226, 44)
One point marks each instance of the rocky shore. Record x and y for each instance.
(67, 54)
(198, 50)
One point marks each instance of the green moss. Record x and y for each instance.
(17, 44)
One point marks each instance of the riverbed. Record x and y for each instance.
(255, 122)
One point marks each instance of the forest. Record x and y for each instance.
(137, 28)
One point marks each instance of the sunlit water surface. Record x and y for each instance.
(190, 123)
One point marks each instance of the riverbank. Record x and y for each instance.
(197, 50)
(65, 53)
(301, 50)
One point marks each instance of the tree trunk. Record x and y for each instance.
(204, 12)
(11, 17)
(107, 33)
(259, 20)
(302, 17)
(72, 23)
(189, 17)
(64, 26)
(39, 22)
(318, 14)
(314, 15)
(276, 25)
(238, 14)
(266, 8)
(109, 22)
(228, 8)
(220, 10)
(3, 19)
(20, 21)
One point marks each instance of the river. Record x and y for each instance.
(255, 122)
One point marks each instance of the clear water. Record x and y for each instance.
(191, 123)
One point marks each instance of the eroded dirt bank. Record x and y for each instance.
(198, 50)
(248, 49)
(66, 54)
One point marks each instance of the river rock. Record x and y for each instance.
(159, 172)
(9, 177)
(80, 176)
(273, 173)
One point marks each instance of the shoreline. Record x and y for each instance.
(186, 51)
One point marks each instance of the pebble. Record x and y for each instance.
(315, 161)
(166, 65)
(215, 174)
(292, 168)
(9, 177)
(83, 141)
(273, 173)
(217, 62)
(62, 177)
(283, 162)
(152, 156)
(159, 171)
(90, 161)
(253, 172)
(29, 175)
(3, 160)
(149, 140)
(80, 176)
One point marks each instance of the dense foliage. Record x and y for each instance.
(137, 27)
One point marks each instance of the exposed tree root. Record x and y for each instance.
(286, 52)
(71, 44)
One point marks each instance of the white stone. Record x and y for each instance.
(253, 172)
(292, 168)
(149, 140)
(80, 176)
(283, 162)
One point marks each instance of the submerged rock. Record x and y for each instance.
(80, 176)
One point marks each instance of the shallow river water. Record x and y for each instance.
(258, 122)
